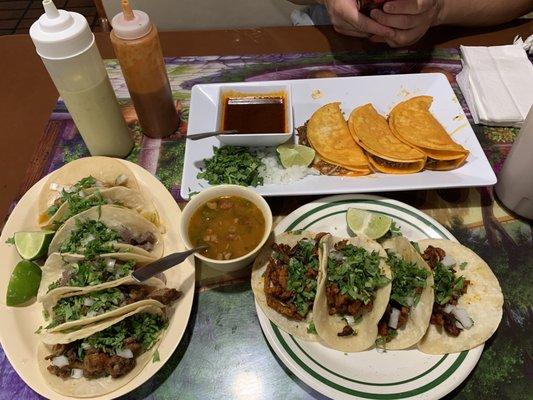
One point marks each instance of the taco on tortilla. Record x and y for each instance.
(66, 310)
(352, 294)
(108, 229)
(468, 298)
(412, 122)
(284, 282)
(104, 356)
(406, 318)
(386, 153)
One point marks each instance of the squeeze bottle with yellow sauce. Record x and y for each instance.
(139, 53)
(66, 45)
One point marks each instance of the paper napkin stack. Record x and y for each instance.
(497, 83)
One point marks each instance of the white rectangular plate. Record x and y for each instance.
(383, 92)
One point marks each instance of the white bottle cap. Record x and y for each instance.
(130, 24)
(60, 34)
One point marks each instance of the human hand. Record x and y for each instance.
(347, 20)
(410, 19)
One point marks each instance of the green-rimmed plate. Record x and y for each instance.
(370, 374)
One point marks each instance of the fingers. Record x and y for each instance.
(412, 7)
(347, 19)
(402, 21)
(406, 37)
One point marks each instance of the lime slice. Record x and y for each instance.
(373, 225)
(295, 154)
(33, 245)
(24, 283)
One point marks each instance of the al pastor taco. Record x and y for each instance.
(352, 294)
(284, 281)
(468, 298)
(406, 318)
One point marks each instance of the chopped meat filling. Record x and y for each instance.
(165, 295)
(96, 363)
(440, 318)
(391, 164)
(346, 331)
(383, 324)
(276, 279)
(145, 240)
(339, 303)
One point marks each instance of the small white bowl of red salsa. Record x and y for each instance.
(234, 222)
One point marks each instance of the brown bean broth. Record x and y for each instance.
(230, 225)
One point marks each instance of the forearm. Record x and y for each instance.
(481, 12)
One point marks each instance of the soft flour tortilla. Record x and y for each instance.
(116, 218)
(52, 297)
(119, 195)
(372, 132)
(328, 133)
(295, 328)
(327, 326)
(412, 122)
(420, 314)
(103, 169)
(483, 301)
(84, 387)
(56, 263)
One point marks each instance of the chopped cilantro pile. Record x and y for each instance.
(90, 273)
(233, 165)
(408, 280)
(76, 202)
(90, 238)
(74, 308)
(299, 282)
(143, 327)
(447, 283)
(357, 274)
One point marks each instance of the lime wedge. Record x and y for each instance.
(295, 154)
(373, 225)
(33, 245)
(24, 283)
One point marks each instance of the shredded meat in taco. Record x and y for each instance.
(448, 289)
(111, 352)
(290, 278)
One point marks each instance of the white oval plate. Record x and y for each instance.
(18, 324)
(369, 374)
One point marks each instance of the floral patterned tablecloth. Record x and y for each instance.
(223, 353)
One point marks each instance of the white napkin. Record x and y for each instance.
(497, 83)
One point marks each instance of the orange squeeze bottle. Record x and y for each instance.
(139, 53)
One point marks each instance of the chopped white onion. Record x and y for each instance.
(76, 373)
(336, 255)
(125, 353)
(463, 318)
(448, 308)
(110, 265)
(88, 302)
(350, 320)
(448, 261)
(88, 239)
(56, 187)
(85, 346)
(410, 301)
(394, 318)
(98, 184)
(60, 361)
(92, 313)
(81, 193)
(121, 179)
(69, 189)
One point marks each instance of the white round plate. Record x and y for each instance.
(18, 324)
(369, 374)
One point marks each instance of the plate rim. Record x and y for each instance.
(274, 337)
(489, 177)
(188, 268)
